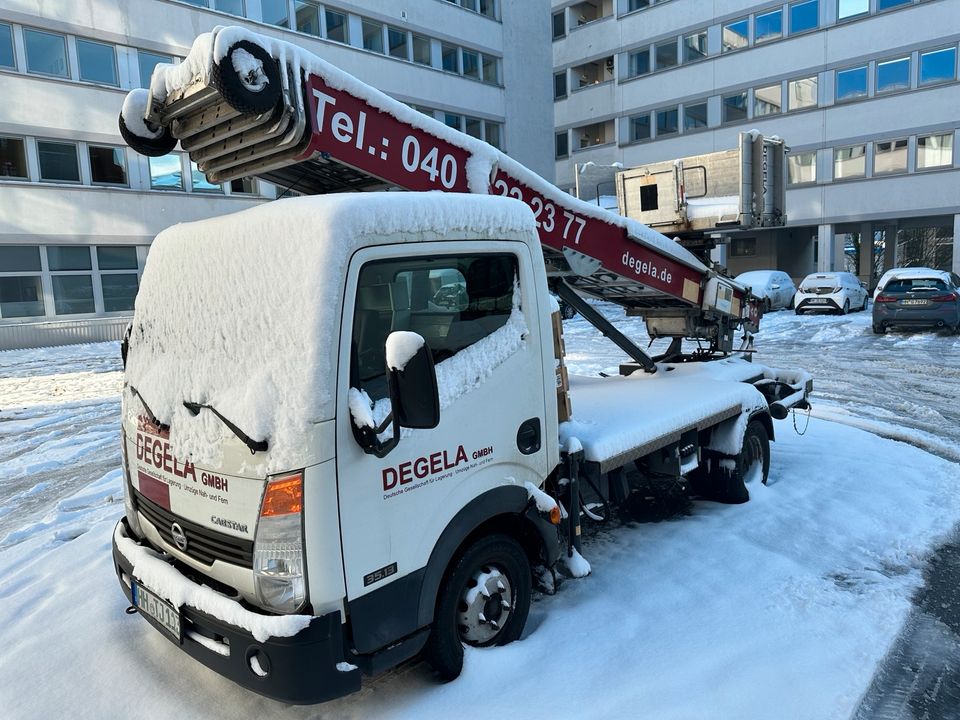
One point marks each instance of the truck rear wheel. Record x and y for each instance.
(248, 78)
(484, 601)
(751, 465)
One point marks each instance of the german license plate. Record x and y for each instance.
(819, 301)
(166, 615)
(914, 302)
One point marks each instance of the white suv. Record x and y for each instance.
(838, 292)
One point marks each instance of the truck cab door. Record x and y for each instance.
(480, 317)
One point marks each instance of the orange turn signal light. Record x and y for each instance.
(555, 515)
(283, 496)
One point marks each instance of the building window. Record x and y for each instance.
(694, 116)
(397, 42)
(893, 74)
(639, 62)
(695, 46)
(735, 107)
(452, 120)
(849, 162)
(58, 161)
(275, 12)
(559, 24)
(72, 294)
(107, 165)
(934, 151)
(638, 5)
(640, 127)
(488, 8)
(421, 50)
(492, 134)
(889, 157)
(308, 17)
(471, 63)
(767, 100)
(119, 291)
(116, 257)
(336, 24)
(68, 257)
(13, 158)
(46, 53)
(802, 168)
(199, 181)
(804, 16)
(491, 73)
(7, 58)
(560, 85)
(938, 66)
(243, 186)
(448, 55)
(668, 121)
(147, 62)
(736, 35)
(20, 295)
(887, 4)
(98, 62)
(849, 8)
(802, 93)
(166, 172)
(768, 26)
(743, 247)
(852, 83)
(473, 127)
(562, 145)
(372, 35)
(666, 54)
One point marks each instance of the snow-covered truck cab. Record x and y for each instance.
(277, 527)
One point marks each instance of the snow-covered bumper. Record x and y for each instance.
(302, 666)
(822, 303)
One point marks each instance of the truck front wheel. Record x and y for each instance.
(483, 601)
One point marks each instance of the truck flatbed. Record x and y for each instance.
(620, 419)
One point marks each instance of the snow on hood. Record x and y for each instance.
(212, 47)
(243, 311)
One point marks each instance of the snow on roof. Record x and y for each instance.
(211, 47)
(720, 207)
(243, 311)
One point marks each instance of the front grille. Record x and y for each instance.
(203, 544)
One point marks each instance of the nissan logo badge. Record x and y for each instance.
(179, 537)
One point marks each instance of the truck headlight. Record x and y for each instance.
(278, 564)
(130, 509)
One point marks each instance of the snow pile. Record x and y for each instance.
(133, 111)
(242, 312)
(163, 579)
(726, 207)
(544, 502)
(575, 564)
(360, 408)
(401, 347)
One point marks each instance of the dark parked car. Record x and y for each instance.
(929, 300)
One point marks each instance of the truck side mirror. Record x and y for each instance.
(414, 395)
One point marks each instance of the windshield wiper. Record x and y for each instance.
(150, 416)
(254, 445)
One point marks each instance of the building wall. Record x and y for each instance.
(884, 204)
(63, 111)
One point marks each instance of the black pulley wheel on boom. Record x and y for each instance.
(248, 78)
(163, 144)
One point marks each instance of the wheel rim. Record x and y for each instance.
(485, 605)
(249, 70)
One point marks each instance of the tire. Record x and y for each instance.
(790, 304)
(765, 308)
(879, 329)
(237, 90)
(731, 483)
(798, 311)
(846, 307)
(502, 566)
(864, 306)
(567, 312)
(151, 147)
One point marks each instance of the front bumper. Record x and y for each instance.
(301, 669)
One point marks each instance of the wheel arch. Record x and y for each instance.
(505, 510)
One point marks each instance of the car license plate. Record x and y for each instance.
(914, 302)
(166, 615)
(818, 301)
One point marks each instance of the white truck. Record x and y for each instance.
(342, 445)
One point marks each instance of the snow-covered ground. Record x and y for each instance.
(779, 608)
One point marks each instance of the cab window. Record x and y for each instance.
(452, 301)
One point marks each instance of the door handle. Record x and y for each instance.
(528, 436)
